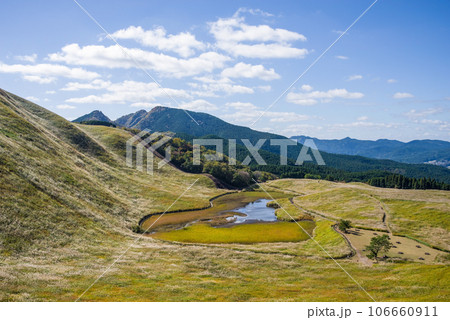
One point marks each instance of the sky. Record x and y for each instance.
(260, 64)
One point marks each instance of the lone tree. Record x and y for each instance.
(344, 225)
(378, 244)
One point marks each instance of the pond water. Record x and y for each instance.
(254, 211)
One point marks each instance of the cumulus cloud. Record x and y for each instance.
(241, 105)
(46, 73)
(244, 70)
(354, 77)
(39, 79)
(254, 12)
(248, 116)
(33, 99)
(313, 97)
(131, 92)
(413, 113)
(27, 58)
(114, 57)
(266, 88)
(402, 95)
(199, 105)
(236, 37)
(363, 118)
(342, 57)
(183, 43)
(210, 87)
(304, 128)
(306, 87)
(97, 84)
(363, 124)
(391, 81)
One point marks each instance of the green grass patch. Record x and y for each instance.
(247, 233)
(289, 212)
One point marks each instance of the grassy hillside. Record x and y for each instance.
(60, 186)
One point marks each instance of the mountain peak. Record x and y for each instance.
(95, 115)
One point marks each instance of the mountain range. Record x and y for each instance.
(181, 122)
(416, 151)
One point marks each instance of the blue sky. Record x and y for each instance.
(388, 77)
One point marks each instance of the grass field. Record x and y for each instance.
(421, 214)
(288, 211)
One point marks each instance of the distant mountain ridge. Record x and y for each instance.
(416, 151)
(165, 119)
(95, 115)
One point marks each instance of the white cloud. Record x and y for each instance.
(342, 57)
(39, 79)
(65, 106)
(46, 73)
(248, 116)
(114, 57)
(144, 105)
(363, 118)
(354, 77)
(285, 116)
(210, 87)
(199, 105)
(304, 128)
(131, 92)
(27, 58)
(236, 37)
(241, 105)
(313, 97)
(244, 70)
(183, 43)
(402, 95)
(96, 84)
(363, 124)
(263, 51)
(306, 87)
(431, 121)
(33, 99)
(292, 98)
(413, 113)
(50, 92)
(255, 12)
(391, 81)
(264, 88)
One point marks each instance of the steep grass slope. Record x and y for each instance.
(61, 187)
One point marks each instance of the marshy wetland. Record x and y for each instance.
(242, 217)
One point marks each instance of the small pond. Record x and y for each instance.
(254, 211)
